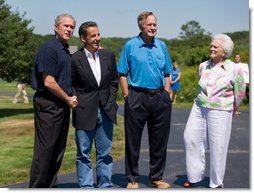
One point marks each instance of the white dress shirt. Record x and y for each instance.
(94, 64)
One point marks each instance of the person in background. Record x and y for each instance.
(51, 78)
(144, 68)
(20, 89)
(221, 89)
(175, 81)
(95, 82)
(244, 66)
(245, 69)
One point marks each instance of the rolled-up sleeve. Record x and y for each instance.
(168, 63)
(122, 66)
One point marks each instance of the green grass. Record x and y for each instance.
(17, 138)
(11, 87)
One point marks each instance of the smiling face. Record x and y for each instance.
(64, 30)
(216, 51)
(149, 27)
(92, 39)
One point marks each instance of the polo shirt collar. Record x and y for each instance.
(142, 43)
(63, 46)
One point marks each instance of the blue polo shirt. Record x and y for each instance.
(145, 65)
(54, 58)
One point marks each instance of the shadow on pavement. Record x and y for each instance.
(68, 185)
(11, 112)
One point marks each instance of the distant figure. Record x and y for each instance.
(175, 82)
(244, 67)
(20, 89)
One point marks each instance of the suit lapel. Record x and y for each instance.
(86, 66)
(103, 63)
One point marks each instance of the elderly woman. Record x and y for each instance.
(221, 89)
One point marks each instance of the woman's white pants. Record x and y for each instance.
(207, 128)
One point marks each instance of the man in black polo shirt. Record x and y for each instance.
(51, 79)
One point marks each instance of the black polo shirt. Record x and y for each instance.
(54, 58)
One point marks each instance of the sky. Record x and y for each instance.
(118, 18)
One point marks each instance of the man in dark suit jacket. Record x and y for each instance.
(95, 83)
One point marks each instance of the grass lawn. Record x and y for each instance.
(17, 138)
(11, 87)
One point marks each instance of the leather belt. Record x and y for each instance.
(150, 91)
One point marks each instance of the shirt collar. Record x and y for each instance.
(64, 46)
(142, 43)
(89, 54)
(224, 66)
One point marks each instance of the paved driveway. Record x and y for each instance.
(238, 163)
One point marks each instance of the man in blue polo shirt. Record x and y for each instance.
(144, 68)
(51, 79)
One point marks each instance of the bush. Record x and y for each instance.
(189, 84)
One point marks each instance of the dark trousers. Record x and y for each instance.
(155, 110)
(51, 119)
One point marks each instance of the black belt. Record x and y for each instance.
(150, 91)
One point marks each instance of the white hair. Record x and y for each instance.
(226, 43)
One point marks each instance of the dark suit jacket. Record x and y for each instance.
(89, 94)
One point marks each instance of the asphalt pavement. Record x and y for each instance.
(238, 161)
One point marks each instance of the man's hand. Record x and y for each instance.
(73, 102)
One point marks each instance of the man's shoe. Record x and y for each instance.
(159, 184)
(132, 185)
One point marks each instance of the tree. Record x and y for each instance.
(191, 29)
(194, 43)
(17, 45)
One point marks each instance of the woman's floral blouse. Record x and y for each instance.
(221, 87)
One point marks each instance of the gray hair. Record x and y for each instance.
(142, 16)
(58, 19)
(226, 43)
